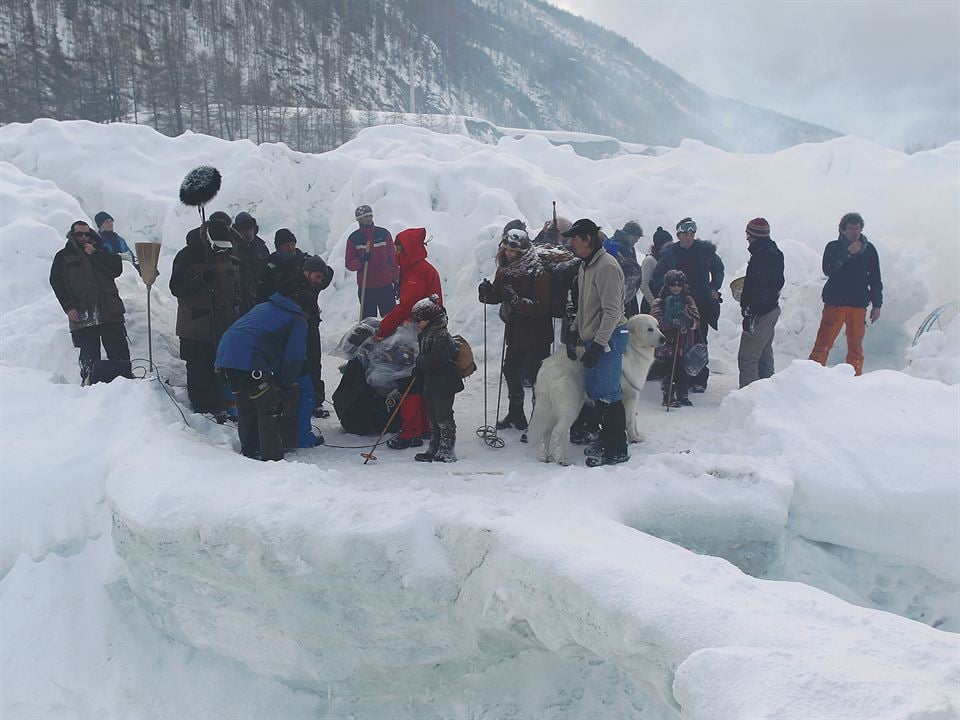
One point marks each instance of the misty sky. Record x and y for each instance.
(887, 70)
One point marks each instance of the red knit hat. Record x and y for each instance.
(758, 228)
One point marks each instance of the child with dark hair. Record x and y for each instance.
(440, 377)
(679, 318)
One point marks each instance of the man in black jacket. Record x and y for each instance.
(252, 256)
(759, 303)
(83, 278)
(852, 267)
(699, 261)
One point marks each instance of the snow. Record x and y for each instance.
(785, 551)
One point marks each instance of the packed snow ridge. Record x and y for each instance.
(790, 550)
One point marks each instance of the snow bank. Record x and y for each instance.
(149, 570)
(936, 356)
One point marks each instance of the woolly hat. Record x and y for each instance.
(632, 227)
(363, 211)
(517, 224)
(282, 237)
(314, 263)
(661, 237)
(245, 221)
(101, 217)
(758, 228)
(222, 217)
(515, 239)
(427, 309)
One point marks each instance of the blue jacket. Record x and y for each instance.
(852, 280)
(271, 337)
(114, 243)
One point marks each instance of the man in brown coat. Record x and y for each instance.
(206, 282)
(522, 287)
(83, 278)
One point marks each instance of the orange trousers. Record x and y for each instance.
(834, 318)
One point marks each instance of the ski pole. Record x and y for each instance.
(487, 432)
(673, 371)
(370, 456)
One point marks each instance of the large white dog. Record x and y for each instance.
(561, 391)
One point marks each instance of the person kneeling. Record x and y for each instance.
(261, 355)
(441, 380)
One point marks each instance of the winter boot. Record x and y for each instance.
(613, 435)
(584, 430)
(515, 417)
(605, 459)
(448, 439)
(402, 443)
(431, 452)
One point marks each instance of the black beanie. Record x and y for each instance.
(282, 237)
(661, 237)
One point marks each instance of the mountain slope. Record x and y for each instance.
(283, 70)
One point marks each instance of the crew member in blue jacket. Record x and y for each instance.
(112, 240)
(261, 355)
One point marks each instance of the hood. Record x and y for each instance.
(282, 301)
(413, 242)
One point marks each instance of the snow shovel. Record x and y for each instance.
(368, 456)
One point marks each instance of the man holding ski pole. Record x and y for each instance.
(370, 254)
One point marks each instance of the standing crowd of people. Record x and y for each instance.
(248, 319)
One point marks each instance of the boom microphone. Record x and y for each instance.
(200, 186)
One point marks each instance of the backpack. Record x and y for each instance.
(464, 361)
(562, 265)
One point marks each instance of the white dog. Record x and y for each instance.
(561, 392)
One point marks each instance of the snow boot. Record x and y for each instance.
(448, 439)
(605, 459)
(613, 435)
(584, 430)
(431, 451)
(515, 417)
(402, 443)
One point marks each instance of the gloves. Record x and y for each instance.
(364, 257)
(592, 356)
(484, 291)
(572, 341)
(749, 324)
(207, 276)
(510, 297)
(681, 321)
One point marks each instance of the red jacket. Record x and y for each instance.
(418, 279)
(383, 270)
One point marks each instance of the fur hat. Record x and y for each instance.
(427, 309)
(282, 237)
(101, 217)
(517, 224)
(758, 228)
(674, 277)
(515, 239)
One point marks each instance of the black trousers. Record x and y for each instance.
(204, 384)
(704, 375)
(267, 415)
(314, 365)
(520, 369)
(113, 337)
(681, 381)
(378, 300)
(632, 307)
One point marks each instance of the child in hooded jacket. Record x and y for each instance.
(437, 369)
(676, 311)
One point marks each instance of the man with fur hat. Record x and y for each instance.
(418, 280)
(83, 278)
(522, 287)
(759, 303)
(601, 326)
(206, 283)
(252, 256)
(703, 269)
(370, 254)
(852, 267)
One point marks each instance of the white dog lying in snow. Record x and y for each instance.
(561, 391)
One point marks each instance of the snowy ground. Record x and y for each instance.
(786, 551)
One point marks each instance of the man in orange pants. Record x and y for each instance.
(852, 267)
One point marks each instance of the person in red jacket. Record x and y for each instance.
(370, 255)
(418, 280)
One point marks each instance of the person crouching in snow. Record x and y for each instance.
(441, 379)
(418, 280)
(677, 313)
(261, 355)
